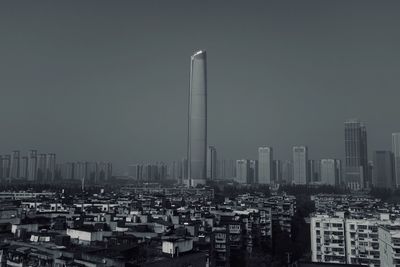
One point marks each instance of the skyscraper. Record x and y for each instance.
(197, 124)
(356, 155)
(329, 172)
(265, 159)
(211, 163)
(277, 171)
(383, 169)
(300, 161)
(396, 157)
(287, 171)
(242, 171)
(253, 171)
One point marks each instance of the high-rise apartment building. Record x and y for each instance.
(329, 172)
(242, 171)
(253, 171)
(265, 160)
(300, 160)
(356, 155)
(197, 128)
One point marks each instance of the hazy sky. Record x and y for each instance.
(108, 80)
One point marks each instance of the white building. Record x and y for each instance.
(265, 158)
(389, 246)
(300, 159)
(336, 239)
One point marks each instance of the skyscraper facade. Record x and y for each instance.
(396, 157)
(265, 159)
(253, 171)
(300, 161)
(197, 124)
(356, 155)
(211, 163)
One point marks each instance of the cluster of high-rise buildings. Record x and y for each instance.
(356, 171)
(43, 168)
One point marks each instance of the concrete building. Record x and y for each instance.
(287, 171)
(242, 171)
(383, 171)
(211, 163)
(253, 172)
(389, 246)
(197, 128)
(277, 171)
(265, 161)
(396, 155)
(340, 239)
(356, 155)
(329, 172)
(300, 160)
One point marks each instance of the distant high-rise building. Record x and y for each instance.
(356, 154)
(15, 164)
(287, 171)
(50, 167)
(329, 172)
(277, 171)
(24, 167)
(339, 172)
(41, 168)
(300, 160)
(211, 163)
(396, 157)
(265, 159)
(383, 172)
(242, 171)
(197, 130)
(6, 163)
(253, 171)
(314, 171)
(32, 165)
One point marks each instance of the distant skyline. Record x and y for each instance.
(108, 80)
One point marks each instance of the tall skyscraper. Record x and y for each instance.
(356, 154)
(211, 163)
(396, 157)
(300, 161)
(242, 171)
(265, 159)
(197, 125)
(383, 172)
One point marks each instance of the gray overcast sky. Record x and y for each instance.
(108, 80)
